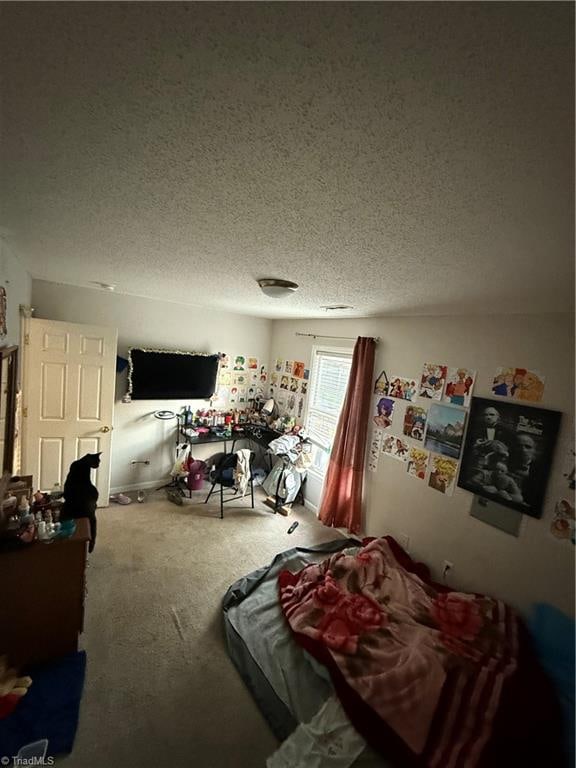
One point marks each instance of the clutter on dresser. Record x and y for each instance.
(27, 518)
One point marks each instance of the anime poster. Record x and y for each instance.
(224, 361)
(240, 363)
(381, 384)
(233, 395)
(291, 403)
(240, 379)
(403, 389)
(300, 407)
(374, 448)
(288, 365)
(306, 374)
(384, 411)
(254, 378)
(432, 381)
(252, 363)
(281, 402)
(459, 386)
(415, 422)
(298, 369)
(242, 394)
(251, 393)
(263, 377)
(518, 383)
(443, 474)
(222, 396)
(395, 446)
(274, 378)
(294, 384)
(226, 379)
(563, 524)
(445, 430)
(279, 365)
(303, 387)
(417, 463)
(285, 382)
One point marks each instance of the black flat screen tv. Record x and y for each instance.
(156, 374)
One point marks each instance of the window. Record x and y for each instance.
(329, 379)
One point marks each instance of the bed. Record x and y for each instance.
(323, 699)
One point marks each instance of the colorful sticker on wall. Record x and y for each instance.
(304, 387)
(239, 363)
(563, 523)
(519, 383)
(233, 395)
(417, 463)
(240, 379)
(374, 449)
(279, 365)
(403, 389)
(252, 363)
(432, 381)
(384, 411)
(263, 377)
(459, 386)
(294, 384)
(443, 474)
(445, 430)
(298, 369)
(306, 374)
(415, 422)
(224, 361)
(288, 367)
(395, 446)
(285, 382)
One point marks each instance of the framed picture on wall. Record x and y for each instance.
(508, 453)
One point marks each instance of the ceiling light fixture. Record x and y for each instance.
(277, 289)
(336, 307)
(104, 286)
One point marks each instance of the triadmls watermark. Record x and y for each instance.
(23, 761)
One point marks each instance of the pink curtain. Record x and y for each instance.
(341, 505)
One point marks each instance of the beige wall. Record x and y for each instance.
(533, 567)
(147, 322)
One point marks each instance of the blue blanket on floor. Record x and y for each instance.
(49, 710)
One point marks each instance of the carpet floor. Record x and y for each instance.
(160, 688)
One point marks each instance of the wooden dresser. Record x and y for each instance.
(42, 588)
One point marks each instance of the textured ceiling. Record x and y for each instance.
(398, 157)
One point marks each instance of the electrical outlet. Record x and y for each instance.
(447, 567)
(404, 541)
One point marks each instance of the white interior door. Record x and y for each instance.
(68, 406)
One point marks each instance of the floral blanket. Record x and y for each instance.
(417, 667)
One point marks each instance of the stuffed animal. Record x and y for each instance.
(12, 687)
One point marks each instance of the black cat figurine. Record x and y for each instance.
(80, 495)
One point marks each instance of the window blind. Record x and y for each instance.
(330, 374)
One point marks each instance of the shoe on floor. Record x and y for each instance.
(121, 498)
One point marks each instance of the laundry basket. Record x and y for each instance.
(196, 474)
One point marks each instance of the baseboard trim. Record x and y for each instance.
(310, 506)
(140, 486)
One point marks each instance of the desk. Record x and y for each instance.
(254, 433)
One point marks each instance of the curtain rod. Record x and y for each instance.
(323, 336)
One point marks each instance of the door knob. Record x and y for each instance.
(105, 429)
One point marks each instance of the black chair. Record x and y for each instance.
(223, 475)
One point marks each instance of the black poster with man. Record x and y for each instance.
(508, 452)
